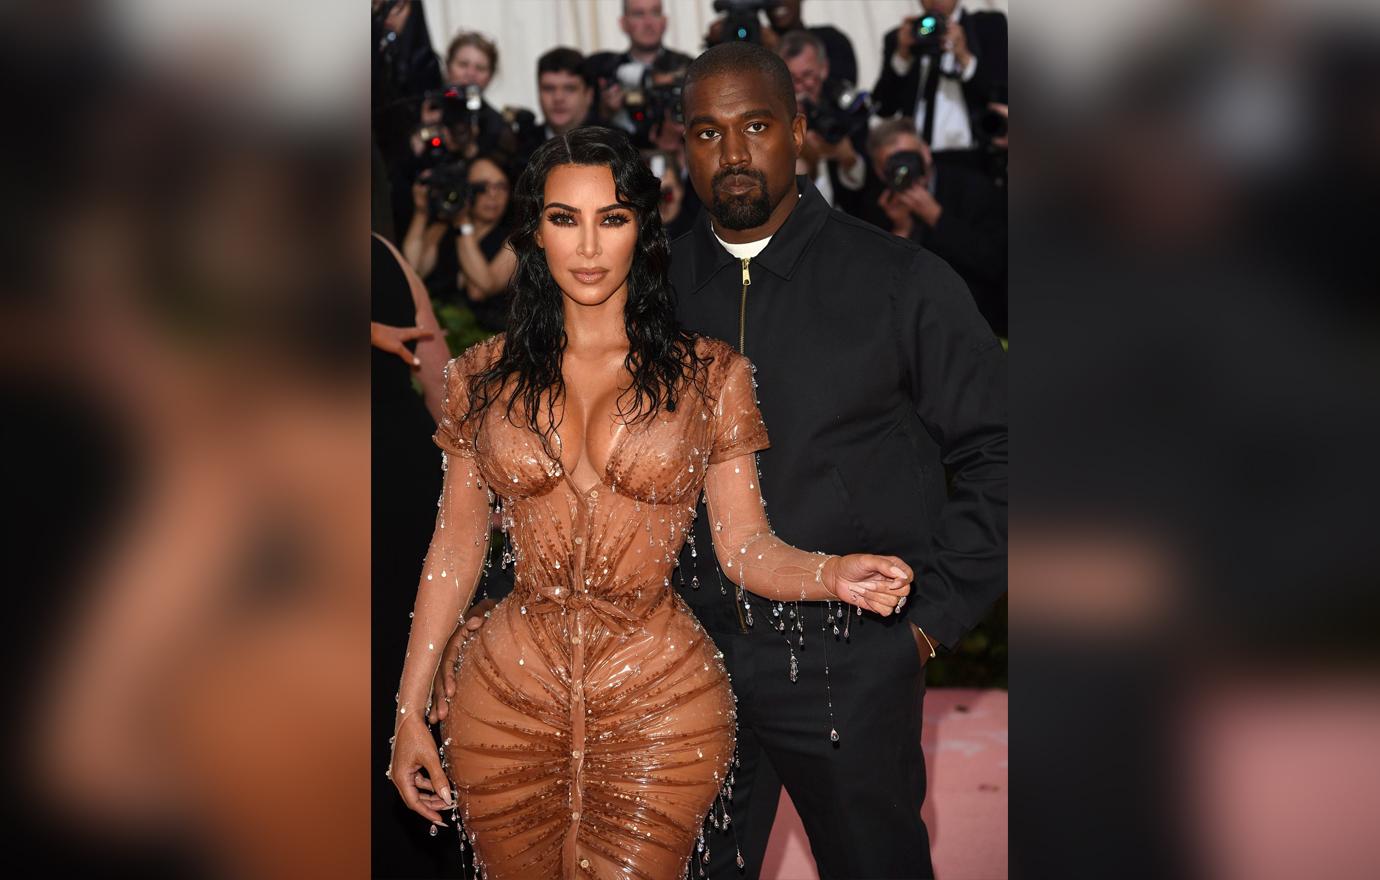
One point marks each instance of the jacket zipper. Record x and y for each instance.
(742, 349)
(742, 308)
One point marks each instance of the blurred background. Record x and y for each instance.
(188, 437)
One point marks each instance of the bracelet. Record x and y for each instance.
(467, 229)
(819, 570)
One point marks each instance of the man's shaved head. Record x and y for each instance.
(737, 59)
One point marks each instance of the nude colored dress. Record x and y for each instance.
(593, 725)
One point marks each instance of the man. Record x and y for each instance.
(946, 85)
(953, 211)
(785, 17)
(837, 168)
(645, 24)
(566, 95)
(876, 373)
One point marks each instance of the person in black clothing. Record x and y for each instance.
(566, 91)
(877, 374)
(836, 164)
(645, 24)
(843, 61)
(954, 211)
(969, 74)
(464, 259)
(471, 62)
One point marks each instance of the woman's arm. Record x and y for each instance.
(450, 574)
(748, 552)
(758, 561)
(485, 277)
(423, 239)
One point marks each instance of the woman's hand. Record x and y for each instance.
(394, 340)
(416, 770)
(443, 686)
(871, 582)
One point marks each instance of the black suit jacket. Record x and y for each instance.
(986, 31)
(876, 373)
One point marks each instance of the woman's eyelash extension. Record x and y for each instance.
(559, 217)
(621, 218)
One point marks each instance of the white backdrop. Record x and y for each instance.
(524, 29)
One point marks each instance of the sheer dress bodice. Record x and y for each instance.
(592, 724)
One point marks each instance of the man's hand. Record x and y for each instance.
(919, 202)
(956, 41)
(995, 107)
(394, 339)
(905, 38)
(818, 148)
(902, 222)
(611, 97)
(443, 686)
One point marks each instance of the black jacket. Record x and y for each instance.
(970, 234)
(876, 373)
(986, 32)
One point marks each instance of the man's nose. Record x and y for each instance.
(734, 150)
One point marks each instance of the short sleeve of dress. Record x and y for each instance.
(450, 434)
(738, 425)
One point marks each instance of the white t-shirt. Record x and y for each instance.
(744, 251)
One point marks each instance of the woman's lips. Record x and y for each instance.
(592, 277)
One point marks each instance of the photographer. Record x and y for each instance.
(456, 240)
(645, 24)
(953, 211)
(741, 22)
(835, 140)
(943, 68)
(459, 112)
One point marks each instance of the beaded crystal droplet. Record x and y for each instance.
(833, 735)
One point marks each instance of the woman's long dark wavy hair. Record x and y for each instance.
(661, 355)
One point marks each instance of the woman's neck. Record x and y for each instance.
(598, 328)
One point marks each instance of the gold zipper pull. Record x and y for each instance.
(742, 312)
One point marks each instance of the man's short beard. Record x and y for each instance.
(742, 212)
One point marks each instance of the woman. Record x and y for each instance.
(592, 722)
(467, 259)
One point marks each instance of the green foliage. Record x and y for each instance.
(462, 329)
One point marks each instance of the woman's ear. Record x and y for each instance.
(536, 236)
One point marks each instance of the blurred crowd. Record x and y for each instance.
(920, 153)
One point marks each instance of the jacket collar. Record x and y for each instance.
(781, 255)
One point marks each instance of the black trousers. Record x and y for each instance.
(859, 798)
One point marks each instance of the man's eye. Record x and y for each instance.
(707, 134)
(759, 126)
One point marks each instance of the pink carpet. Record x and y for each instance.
(965, 758)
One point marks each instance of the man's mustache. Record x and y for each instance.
(752, 174)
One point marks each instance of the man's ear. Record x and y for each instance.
(798, 132)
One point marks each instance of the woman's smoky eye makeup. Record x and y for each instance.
(565, 218)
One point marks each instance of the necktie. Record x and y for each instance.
(930, 71)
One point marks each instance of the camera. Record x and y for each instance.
(929, 33)
(741, 23)
(459, 104)
(842, 110)
(990, 124)
(448, 191)
(904, 169)
(656, 99)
